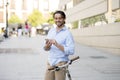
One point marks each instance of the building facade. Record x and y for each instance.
(21, 8)
(105, 37)
(77, 10)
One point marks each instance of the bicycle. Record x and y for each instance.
(57, 68)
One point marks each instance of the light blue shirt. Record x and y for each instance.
(64, 38)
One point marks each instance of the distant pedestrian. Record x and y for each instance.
(19, 29)
(14, 32)
(2, 31)
(27, 29)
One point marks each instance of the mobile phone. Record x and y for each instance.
(47, 40)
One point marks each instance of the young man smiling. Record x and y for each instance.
(60, 45)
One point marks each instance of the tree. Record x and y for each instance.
(51, 20)
(117, 20)
(14, 19)
(36, 18)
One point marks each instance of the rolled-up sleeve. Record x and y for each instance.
(69, 47)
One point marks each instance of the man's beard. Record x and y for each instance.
(60, 25)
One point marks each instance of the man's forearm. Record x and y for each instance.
(59, 46)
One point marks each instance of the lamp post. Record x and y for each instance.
(6, 30)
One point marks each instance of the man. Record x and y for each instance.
(60, 45)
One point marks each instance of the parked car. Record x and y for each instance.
(43, 29)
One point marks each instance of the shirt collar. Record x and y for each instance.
(64, 28)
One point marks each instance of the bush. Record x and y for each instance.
(117, 20)
(75, 24)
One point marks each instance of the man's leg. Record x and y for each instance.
(61, 74)
(49, 75)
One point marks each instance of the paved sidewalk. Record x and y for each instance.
(23, 58)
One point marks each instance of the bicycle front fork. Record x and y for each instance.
(68, 74)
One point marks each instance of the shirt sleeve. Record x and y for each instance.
(69, 47)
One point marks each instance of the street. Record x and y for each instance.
(23, 58)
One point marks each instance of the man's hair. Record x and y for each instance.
(60, 12)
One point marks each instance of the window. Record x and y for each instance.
(36, 4)
(24, 15)
(1, 3)
(24, 4)
(12, 4)
(1, 17)
(75, 2)
(69, 5)
(46, 5)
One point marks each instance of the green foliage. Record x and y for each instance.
(117, 20)
(85, 22)
(75, 24)
(50, 19)
(14, 19)
(36, 18)
(92, 20)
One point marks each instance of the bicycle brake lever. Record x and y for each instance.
(70, 62)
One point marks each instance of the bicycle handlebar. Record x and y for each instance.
(75, 58)
(68, 63)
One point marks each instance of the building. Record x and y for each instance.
(23, 8)
(99, 35)
(77, 10)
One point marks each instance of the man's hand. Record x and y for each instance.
(53, 41)
(49, 42)
(47, 45)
